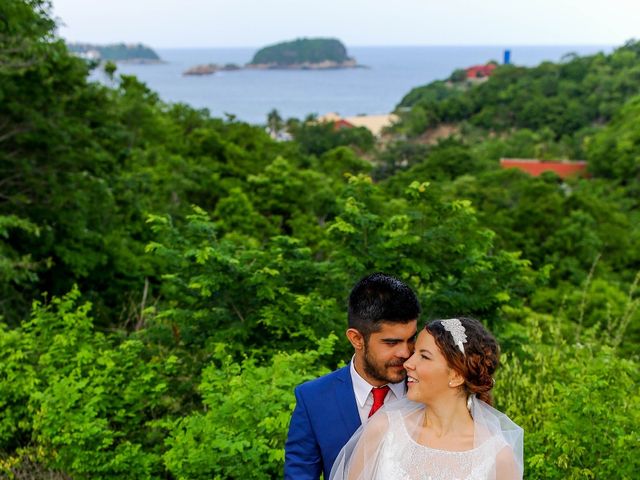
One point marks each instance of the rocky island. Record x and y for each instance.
(300, 54)
(303, 54)
(210, 69)
(118, 52)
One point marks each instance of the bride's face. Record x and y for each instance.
(428, 374)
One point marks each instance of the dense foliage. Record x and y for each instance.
(302, 50)
(564, 98)
(167, 278)
(614, 152)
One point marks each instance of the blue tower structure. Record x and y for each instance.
(507, 57)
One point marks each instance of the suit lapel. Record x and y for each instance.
(346, 401)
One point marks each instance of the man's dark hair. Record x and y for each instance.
(381, 298)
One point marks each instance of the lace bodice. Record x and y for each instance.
(401, 458)
(385, 448)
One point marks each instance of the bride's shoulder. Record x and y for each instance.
(507, 465)
(392, 415)
(379, 422)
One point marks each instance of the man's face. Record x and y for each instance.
(386, 351)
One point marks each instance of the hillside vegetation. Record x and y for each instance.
(167, 278)
(566, 99)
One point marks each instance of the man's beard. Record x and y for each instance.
(381, 372)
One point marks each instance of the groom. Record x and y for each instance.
(383, 314)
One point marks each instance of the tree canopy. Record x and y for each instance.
(167, 278)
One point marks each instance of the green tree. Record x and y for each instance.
(615, 151)
(76, 401)
(274, 121)
(560, 392)
(242, 420)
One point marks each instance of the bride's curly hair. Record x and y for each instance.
(479, 361)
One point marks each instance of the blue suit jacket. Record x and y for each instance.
(325, 417)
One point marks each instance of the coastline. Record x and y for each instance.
(212, 68)
(325, 65)
(251, 95)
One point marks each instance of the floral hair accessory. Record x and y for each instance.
(457, 331)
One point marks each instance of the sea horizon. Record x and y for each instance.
(257, 47)
(392, 72)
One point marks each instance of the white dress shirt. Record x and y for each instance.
(364, 397)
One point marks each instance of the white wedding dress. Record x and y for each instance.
(401, 458)
(386, 449)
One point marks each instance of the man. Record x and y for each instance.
(383, 315)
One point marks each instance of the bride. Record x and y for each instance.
(446, 429)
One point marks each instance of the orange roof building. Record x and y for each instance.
(480, 71)
(535, 167)
(374, 123)
(342, 123)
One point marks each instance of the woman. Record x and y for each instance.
(446, 428)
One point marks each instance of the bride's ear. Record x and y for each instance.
(356, 338)
(455, 379)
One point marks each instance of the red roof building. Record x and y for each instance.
(535, 168)
(342, 123)
(480, 71)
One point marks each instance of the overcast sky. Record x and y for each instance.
(251, 23)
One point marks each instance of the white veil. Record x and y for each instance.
(387, 448)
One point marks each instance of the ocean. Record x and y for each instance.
(392, 72)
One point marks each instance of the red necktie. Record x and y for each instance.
(378, 398)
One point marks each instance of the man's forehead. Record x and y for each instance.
(396, 330)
